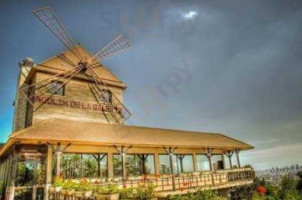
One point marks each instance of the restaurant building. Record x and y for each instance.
(71, 135)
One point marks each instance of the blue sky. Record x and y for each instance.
(232, 67)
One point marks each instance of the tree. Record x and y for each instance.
(299, 184)
(288, 189)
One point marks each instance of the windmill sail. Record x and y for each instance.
(49, 19)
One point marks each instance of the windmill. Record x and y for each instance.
(46, 88)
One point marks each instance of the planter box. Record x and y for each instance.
(54, 189)
(107, 196)
(82, 194)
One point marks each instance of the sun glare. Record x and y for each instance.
(190, 15)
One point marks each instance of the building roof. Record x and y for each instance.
(55, 65)
(77, 132)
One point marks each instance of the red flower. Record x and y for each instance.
(261, 190)
(185, 184)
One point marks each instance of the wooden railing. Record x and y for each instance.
(163, 183)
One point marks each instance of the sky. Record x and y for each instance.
(233, 67)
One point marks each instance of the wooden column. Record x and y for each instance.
(58, 151)
(195, 162)
(229, 155)
(181, 157)
(209, 156)
(237, 156)
(223, 161)
(98, 157)
(123, 152)
(49, 166)
(110, 165)
(156, 163)
(58, 163)
(143, 158)
(170, 151)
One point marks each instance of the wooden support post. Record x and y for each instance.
(195, 167)
(223, 160)
(99, 159)
(156, 163)
(58, 152)
(229, 154)
(170, 151)
(49, 166)
(123, 152)
(110, 165)
(237, 156)
(181, 157)
(209, 156)
(143, 158)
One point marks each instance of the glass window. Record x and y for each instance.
(217, 162)
(202, 163)
(117, 165)
(107, 96)
(83, 165)
(164, 163)
(55, 87)
(183, 163)
(30, 172)
(135, 164)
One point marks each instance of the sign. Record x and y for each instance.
(75, 104)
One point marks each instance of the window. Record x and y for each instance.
(184, 163)
(84, 165)
(107, 96)
(56, 87)
(202, 163)
(135, 166)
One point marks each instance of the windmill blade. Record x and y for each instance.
(41, 88)
(116, 108)
(63, 57)
(49, 19)
(118, 45)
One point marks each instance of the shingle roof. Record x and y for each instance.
(108, 134)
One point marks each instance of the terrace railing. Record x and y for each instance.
(164, 183)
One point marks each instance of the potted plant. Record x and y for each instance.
(108, 193)
(83, 190)
(57, 186)
(68, 188)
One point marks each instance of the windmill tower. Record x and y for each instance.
(20, 103)
(73, 84)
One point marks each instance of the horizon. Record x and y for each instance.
(241, 61)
